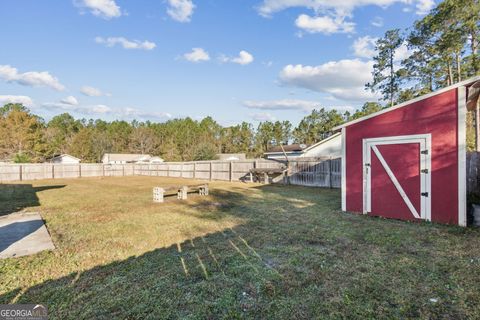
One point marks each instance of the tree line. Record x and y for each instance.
(27, 137)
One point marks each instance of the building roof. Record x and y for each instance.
(126, 156)
(64, 155)
(406, 103)
(312, 146)
(288, 148)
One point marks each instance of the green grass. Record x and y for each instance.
(246, 251)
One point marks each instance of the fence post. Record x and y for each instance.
(79, 170)
(231, 171)
(210, 171)
(20, 173)
(330, 172)
(194, 169)
(103, 170)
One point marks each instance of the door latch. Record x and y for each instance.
(424, 171)
(424, 194)
(424, 152)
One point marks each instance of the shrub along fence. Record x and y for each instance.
(318, 172)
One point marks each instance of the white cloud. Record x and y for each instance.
(283, 104)
(324, 24)
(98, 109)
(344, 79)
(402, 53)
(180, 10)
(71, 100)
(424, 6)
(92, 92)
(341, 7)
(106, 9)
(364, 47)
(103, 110)
(262, 116)
(243, 58)
(125, 43)
(31, 78)
(26, 101)
(377, 22)
(197, 55)
(329, 16)
(134, 113)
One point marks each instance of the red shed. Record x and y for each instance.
(408, 161)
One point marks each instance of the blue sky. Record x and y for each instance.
(154, 60)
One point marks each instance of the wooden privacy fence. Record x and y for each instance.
(207, 170)
(473, 173)
(308, 171)
(19, 172)
(315, 172)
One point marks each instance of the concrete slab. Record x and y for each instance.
(23, 234)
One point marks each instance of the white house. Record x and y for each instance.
(291, 150)
(329, 147)
(231, 156)
(64, 159)
(122, 158)
(156, 160)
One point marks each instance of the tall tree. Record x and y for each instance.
(386, 79)
(22, 133)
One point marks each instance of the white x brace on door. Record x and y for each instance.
(424, 142)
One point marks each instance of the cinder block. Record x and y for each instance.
(182, 193)
(158, 194)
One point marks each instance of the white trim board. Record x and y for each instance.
(370, 145)
(344, 169)
(462, 156)
(406, 103)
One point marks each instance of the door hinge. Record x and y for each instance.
(424, 194)
(424, 152)
(424, 171)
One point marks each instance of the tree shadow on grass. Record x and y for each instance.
(211, 276)
(221, 274)
(16, 197)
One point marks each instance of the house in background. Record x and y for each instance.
(123, 158)
(64, 159)
(231, 156)
(154, 160)
(291, 150)
(330, 147)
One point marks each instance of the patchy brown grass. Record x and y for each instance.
(246, 251)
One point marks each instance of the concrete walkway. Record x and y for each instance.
(23, 234)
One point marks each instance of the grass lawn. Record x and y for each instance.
(246, 251)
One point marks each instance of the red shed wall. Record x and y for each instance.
(436, 115)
